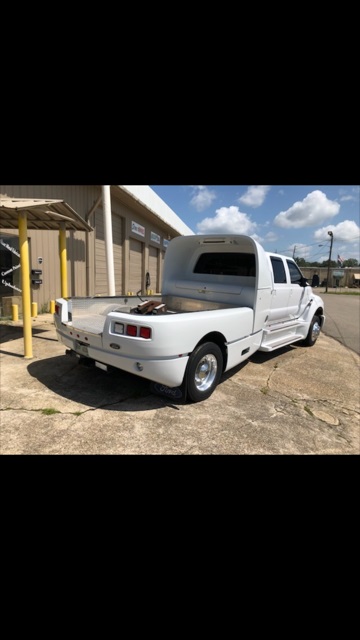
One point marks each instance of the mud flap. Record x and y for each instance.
(172, 393)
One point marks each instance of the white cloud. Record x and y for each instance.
(343, 198)
(281, 191)
(202, 198)
(271, 236)
(255, 195)
(322, 259)
(313, 210)
(227, 220)
(346, 231)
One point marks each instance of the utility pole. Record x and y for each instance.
(328, 271)
(294, 252)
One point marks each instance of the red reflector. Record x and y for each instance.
(131, 330)
(145, 332)
(57, 309)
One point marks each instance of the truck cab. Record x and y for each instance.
(290, 291)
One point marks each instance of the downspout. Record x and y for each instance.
(108, 240)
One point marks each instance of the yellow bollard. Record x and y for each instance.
(34, 310)
(15, 312)
(52, 306)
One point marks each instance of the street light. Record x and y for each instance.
(328, 271)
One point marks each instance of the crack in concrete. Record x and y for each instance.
(55, 412)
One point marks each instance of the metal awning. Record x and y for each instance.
(356, 276)
(41, 214)
(37, 214)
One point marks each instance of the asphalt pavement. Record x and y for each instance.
(294, 401)
(343, 318)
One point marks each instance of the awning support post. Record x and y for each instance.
(63, 260)
(25, 283)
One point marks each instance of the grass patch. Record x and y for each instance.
(49, 412)
(265, 390)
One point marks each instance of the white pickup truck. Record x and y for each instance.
(222, 299)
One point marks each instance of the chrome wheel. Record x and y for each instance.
(315, 331)
(205, 372)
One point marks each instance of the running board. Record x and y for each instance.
(281, 335)
(280, 342)
(282, 325)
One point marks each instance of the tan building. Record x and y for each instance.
(142, 226)
(338, 276)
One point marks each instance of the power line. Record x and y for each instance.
(313, 244)
(303, 246)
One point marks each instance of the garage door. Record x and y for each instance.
(136, 265)
(101, 285)
(153, 268)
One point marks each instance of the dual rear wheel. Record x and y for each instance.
(204, 371)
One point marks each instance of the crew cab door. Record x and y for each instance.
(288, 297)
(279, 310)
(298, 295)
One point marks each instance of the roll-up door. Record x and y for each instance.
(101, 284)
(135, 266)
(153, 268)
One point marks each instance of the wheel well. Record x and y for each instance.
(218, 339)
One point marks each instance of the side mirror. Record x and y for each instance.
(304, 282)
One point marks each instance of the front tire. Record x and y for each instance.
(314, 332)
(204, 371)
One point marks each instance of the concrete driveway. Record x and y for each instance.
(294, 401)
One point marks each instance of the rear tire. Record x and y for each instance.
(314, 332)
(204, 371)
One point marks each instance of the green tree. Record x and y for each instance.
(350, 262)
(333, 263)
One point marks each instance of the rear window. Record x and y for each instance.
(278, 270)
(226, 264)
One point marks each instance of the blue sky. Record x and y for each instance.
(282, 218)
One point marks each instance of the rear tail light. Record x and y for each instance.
(142, 332)
(145, 332)
(131, 330)
(57, 309)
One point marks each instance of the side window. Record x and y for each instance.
(278, 269)
(295, 274)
